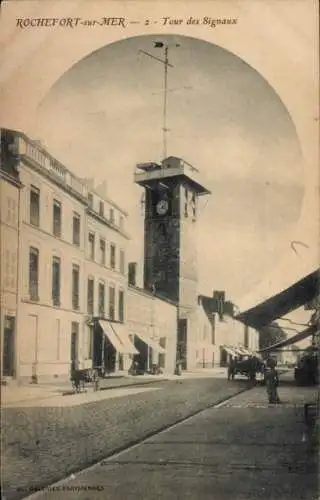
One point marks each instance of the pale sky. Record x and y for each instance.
(105, 115)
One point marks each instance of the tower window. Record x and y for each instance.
(186, 192)
(194, 206)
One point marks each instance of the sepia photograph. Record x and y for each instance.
(159, 270)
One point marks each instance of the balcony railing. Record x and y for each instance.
(44, 160)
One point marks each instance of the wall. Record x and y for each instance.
(45, 329)
(202, 349)
(155, 318)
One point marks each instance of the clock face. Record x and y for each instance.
(162, 207)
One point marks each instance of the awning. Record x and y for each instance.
(151, 343)
(120, 341)
(283, 303)
(229, 350)
(123, 334)
(244, 351)
(292, 340)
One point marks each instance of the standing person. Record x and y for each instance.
(272, 381)
(231, 368)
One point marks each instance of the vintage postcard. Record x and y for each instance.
(159, 279)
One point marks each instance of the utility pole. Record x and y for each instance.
(165, 97)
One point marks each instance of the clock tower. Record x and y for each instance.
(170, 240)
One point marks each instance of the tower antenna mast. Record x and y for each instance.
(166, 65)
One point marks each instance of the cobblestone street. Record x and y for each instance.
(241, 449)
(44, 443)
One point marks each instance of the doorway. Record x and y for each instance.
(223, 357)
(8, 346)
(74, 345)
(104, 353)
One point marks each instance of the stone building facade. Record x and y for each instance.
(10, 193)
(72, 266)
(152, 323)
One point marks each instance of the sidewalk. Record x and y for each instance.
(12, 394)
(239, 450)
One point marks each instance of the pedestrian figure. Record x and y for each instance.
(231, 368)
(272, 381)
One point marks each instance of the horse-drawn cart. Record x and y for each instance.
(80, 379)
(249, 366)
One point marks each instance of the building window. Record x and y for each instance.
(101, 299)
(102, 252)
(34, 274)
(111, 215)
(112, 297)
(56, 281)
(90, 200)
(101, 208)
(121, 224)
(121, 306)
(112, 256)
(90, 296)
(57, 218)
(122, 262)
(76, 229)
(34, 206)
(75, 286)
(91, 246)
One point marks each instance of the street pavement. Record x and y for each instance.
(241, 449)
(42, 444)
(13, 395)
